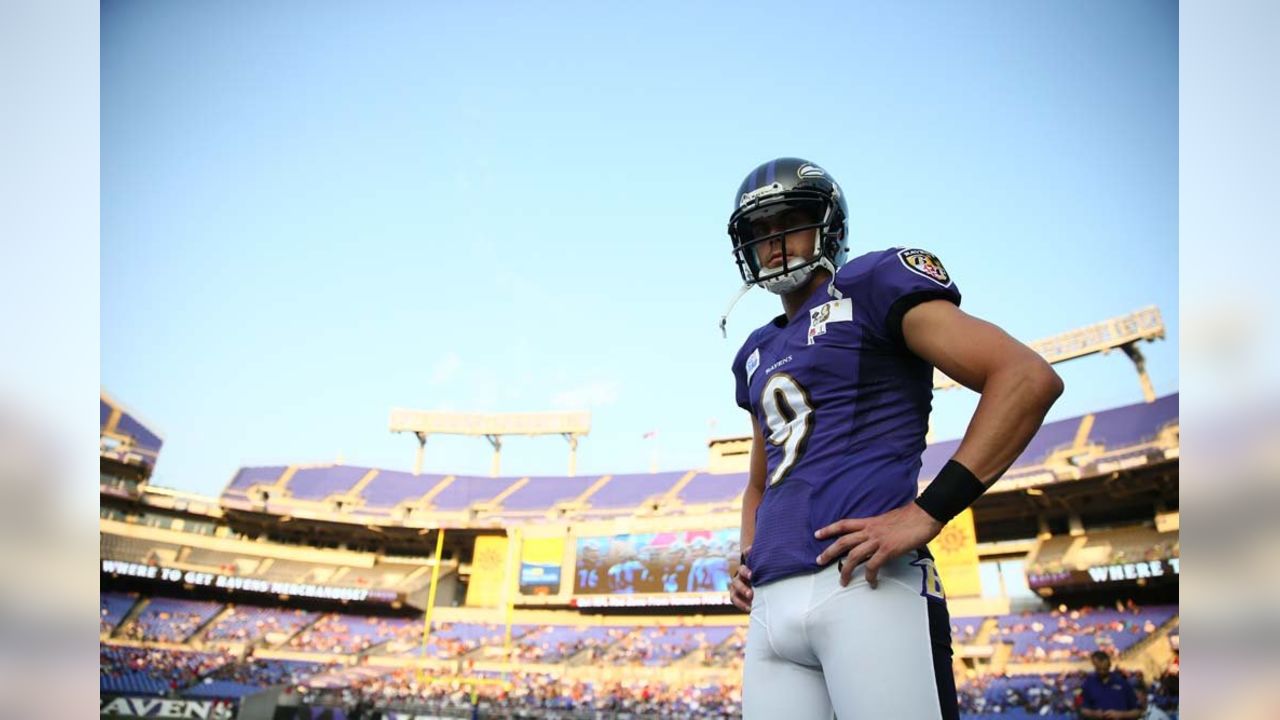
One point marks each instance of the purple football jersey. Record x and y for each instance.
(843, 404)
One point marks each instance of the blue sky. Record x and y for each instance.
(315, 212)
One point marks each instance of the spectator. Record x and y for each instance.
(1108, 694)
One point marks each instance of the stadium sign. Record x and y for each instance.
(151, 707)
(669, 600)
(245, 584)
(1134, 571)
(1140, 572)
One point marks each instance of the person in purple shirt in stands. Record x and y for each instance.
(1107, 694)
(848, 614)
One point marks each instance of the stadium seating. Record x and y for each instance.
(629, 491)
(152, 671)
(247, 477)
(543, 493)
(321, 482)
(454, 640)
(170, 620)
(1072, 635)
(143, 438)
(708, 488)
(250, 624)
(1052, 437)
(235, 680)
(965, 629)
(1134, 424)
(557, 643)
(1112, 432)
(466, 490)
(114, 606)
(729, 652)
(390, 488)
(350, 634)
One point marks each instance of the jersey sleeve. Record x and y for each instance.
(741, 374)
(902, 279)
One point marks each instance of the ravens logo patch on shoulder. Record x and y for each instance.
(923, 262)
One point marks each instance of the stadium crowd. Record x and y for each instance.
(154, 670)
(532, 696)
(1059, 694)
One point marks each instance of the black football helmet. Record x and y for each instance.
(805, 197)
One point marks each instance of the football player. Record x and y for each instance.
(847, 611)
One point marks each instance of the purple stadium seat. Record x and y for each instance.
(113, 607)
(543, 493)
(319, 483)
(142, 437)
(249, 476)
(1133, 424)
(390, 488)
(628, 491)
(466, 490)
(707, 488)
(1051, 437)
(172, 620)
(246, 623)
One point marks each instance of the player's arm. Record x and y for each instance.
(740, 589)
(1017, 387)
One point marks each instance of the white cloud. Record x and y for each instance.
(446, 368)
(596, 393)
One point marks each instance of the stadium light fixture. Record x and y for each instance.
(1124, 333)
(493, 427)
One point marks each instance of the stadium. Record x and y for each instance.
(335, 591)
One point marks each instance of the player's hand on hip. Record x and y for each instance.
(877, 540)
(740, 589)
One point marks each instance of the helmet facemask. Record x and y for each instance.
(750, 230)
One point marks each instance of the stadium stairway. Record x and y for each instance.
(284, 644)
(130, 616)
(585, 656)
(1152, 653)
(985, 630)
(133, 611)
(197, 639)
(1000, 657)
(203, 628)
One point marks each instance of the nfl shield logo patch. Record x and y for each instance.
(923, 262)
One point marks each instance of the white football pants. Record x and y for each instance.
(817, 650)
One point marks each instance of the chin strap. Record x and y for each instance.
(724, 319)
(832, 290)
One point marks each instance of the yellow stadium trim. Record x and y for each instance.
(592, 490)
(362, 483)
(113, 419)
(433, 492)
(497, 499)
(1082, 432)
(671, 494)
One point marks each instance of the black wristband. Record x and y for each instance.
(953, 490)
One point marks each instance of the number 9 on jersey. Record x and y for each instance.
(789, 417)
